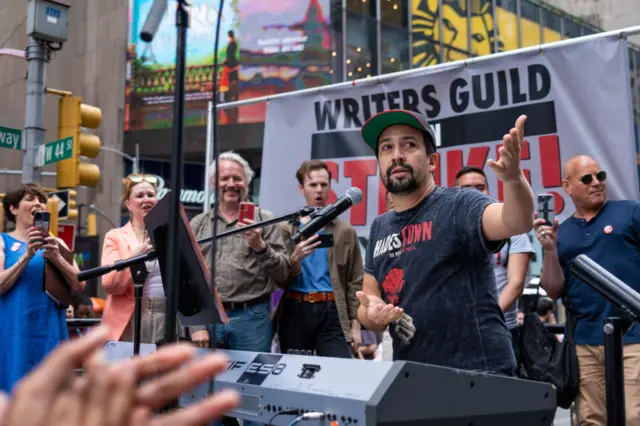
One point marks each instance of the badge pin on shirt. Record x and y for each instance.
(16, 246)
(608, 229)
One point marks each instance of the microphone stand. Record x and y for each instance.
(125, 263)
(614, 328)
(139, 273)
(173, 293)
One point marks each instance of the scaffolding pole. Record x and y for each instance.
(381, 79)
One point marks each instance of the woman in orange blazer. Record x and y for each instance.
(139, 197)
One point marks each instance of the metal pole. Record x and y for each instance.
(409, 29)
(431, 69)
(208, 158)
(19, 172)
(379, 39)
(614, 371)
(441, 31)
(37, 56)
(136, 160)
(496, 30)
(173, 264)
(519, 22)
(469, 31)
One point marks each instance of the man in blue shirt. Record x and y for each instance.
(608, 232)
(318, 311)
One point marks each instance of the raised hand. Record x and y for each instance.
(507, 168)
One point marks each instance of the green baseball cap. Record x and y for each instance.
(375, 125)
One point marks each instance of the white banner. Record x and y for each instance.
(577, 99)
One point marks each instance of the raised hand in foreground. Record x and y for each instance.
(108, 394)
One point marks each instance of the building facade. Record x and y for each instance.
(265, 48)
(298, 44)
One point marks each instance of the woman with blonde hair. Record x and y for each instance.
(139, 197)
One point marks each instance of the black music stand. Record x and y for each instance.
(628, 301)
(198, 304)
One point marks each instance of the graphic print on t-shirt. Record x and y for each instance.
(392, 285)
(396, 244)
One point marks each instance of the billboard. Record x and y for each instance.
(151, 66)
(265, 48)
(480, 20)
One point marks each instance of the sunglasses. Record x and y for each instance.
(601, 176)
(147, 178)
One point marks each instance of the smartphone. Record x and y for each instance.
(326, 240)
(247, 211)
(546, 208)
(42, 220)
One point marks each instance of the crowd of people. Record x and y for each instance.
(442, 276)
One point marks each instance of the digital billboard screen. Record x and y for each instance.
(265, 48)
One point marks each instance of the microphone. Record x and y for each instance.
(154, 18)
(324, 216)
(605, 283)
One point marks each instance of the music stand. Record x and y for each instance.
(198, 304)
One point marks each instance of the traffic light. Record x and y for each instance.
(72, 116)
(52, 206)
(73, 211)
(92, 224)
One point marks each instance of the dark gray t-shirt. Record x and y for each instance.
(434, 262)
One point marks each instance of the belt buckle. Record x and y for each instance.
(312, 298)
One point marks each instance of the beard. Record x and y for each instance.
(403, 186)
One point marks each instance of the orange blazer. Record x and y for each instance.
(118, 244)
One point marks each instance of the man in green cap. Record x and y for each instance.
(428, 271)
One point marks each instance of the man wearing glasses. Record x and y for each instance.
(608, 232)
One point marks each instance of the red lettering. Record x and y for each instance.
(550, 162)
(477, 157)
(334, 169)
(525, 154)
(416, 233)
(359, 172)
(382, 198)
(426, 230)
(559, 202)
(404, 236)
(437, 170)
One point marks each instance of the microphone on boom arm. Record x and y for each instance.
(325, 215)
(154, 18)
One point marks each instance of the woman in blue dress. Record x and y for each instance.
(31, 325)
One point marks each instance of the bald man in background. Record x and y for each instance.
(608, 232)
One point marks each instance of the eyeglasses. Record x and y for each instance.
(601, 176)
(147, 178)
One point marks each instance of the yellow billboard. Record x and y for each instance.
(428, 35)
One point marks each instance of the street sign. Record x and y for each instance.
(63, 203)
(10, 138)
(55, 151)
(67, 233)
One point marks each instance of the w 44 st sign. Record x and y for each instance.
(55, 151)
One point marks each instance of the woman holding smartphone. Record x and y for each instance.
(139, 197)
(31, 324)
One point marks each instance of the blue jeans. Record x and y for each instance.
(248, 329)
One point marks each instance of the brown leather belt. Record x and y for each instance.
(229, 306)
(313, 297)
